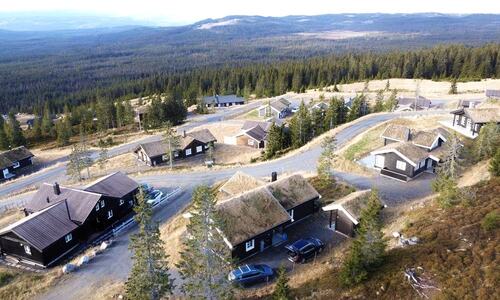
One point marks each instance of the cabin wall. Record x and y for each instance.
(193, 146)
(343, 224)
(243, 141)
(302, 211)
(390, 164)
(265, 239)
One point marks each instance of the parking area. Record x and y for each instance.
(314, 226)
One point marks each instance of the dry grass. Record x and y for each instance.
(173, 233)
(454, 251)
(222, 128)
(10, 216)
(26, 285)
(230, 154)
(475, 174)
(332, 191)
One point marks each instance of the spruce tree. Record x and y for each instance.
(37, 129)
(274, 141)
(368, 248)
(205, 258)
(387, 85)
(495, 164)
(149, 277)
(4, 140)
(487, 142)
(172, 141)
(47, 123)
(103, 158)
(120, 114)
(453, 87)
(326, 159)
(64, 132)
(128, 113)
(379, 101)
(75, 164)
(392, 101)
(14, 131)
(452, 158)
(282, 290)
(300, 126)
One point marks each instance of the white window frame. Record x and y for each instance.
(291, 215)
(110, 214)
(165, 157)
(97, 207)
(199, 149)
(103, 203)
(16, 165)
(121, 202)
(68, 238)
(188, 152)
(379, 161)
(400, 165)
(27, 249)
(250, 245)
(251, 142)
(176, 154)
(131, 202)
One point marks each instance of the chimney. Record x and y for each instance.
(274, 176)
(184, 133)
(48, 200)
(57, 189)
(25, 212)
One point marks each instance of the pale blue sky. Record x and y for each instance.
(188, 11)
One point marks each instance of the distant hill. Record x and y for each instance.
(38, 64)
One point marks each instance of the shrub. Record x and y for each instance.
(491, 221)
(5, 278)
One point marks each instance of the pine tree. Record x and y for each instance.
(14, 131)
(387, 85)
(172, 141)
(487, 142)
(149, 277)
(128, 113)
(4, 140)
(451, 161)
(120, 114)
(205, 259)
(358, 108)
(282, 290)
(368, 249)
(75, 165)
(37, 129)
(495, 164)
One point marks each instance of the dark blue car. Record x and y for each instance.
(250, 274)
(304, 249)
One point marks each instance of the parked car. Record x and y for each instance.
(154, 196)
(294, 109)
(146, 188)
(250, 274)
(304, 249)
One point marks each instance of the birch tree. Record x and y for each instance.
(149, 277)
(205, 260)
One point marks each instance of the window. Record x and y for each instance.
(110, 214)
(68, 238)
(401, 165)
(165, 157)
(379, 161)
(250, 142)
(176, 154)
(97, 207)
(121, 202)
(16, 165)
(102, 203)
(188, 152)
(27, 249)
(249, 245)
(131, 202)
(199, 149)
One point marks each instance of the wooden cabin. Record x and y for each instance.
(14, 160)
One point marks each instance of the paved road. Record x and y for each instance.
(115, 265)
(53, 173)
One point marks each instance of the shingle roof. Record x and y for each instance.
(396, 132)
(43, 228)
(251, 124)
(203, 135)
(250, 214)
(153, 149)
(292, 191)
(7, 158)
(240, 183)
(80, 203)
(256, 133)
(223, 99)
(115, 185)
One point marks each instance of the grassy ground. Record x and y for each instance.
(25, 285)
(331, 192)
(455, 253)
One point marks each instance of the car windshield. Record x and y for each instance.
(259, 268)
(300, 244)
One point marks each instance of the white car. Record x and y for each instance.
(154, 197)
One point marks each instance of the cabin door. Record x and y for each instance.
(429, 164)
(5, 173)
(262, 245)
